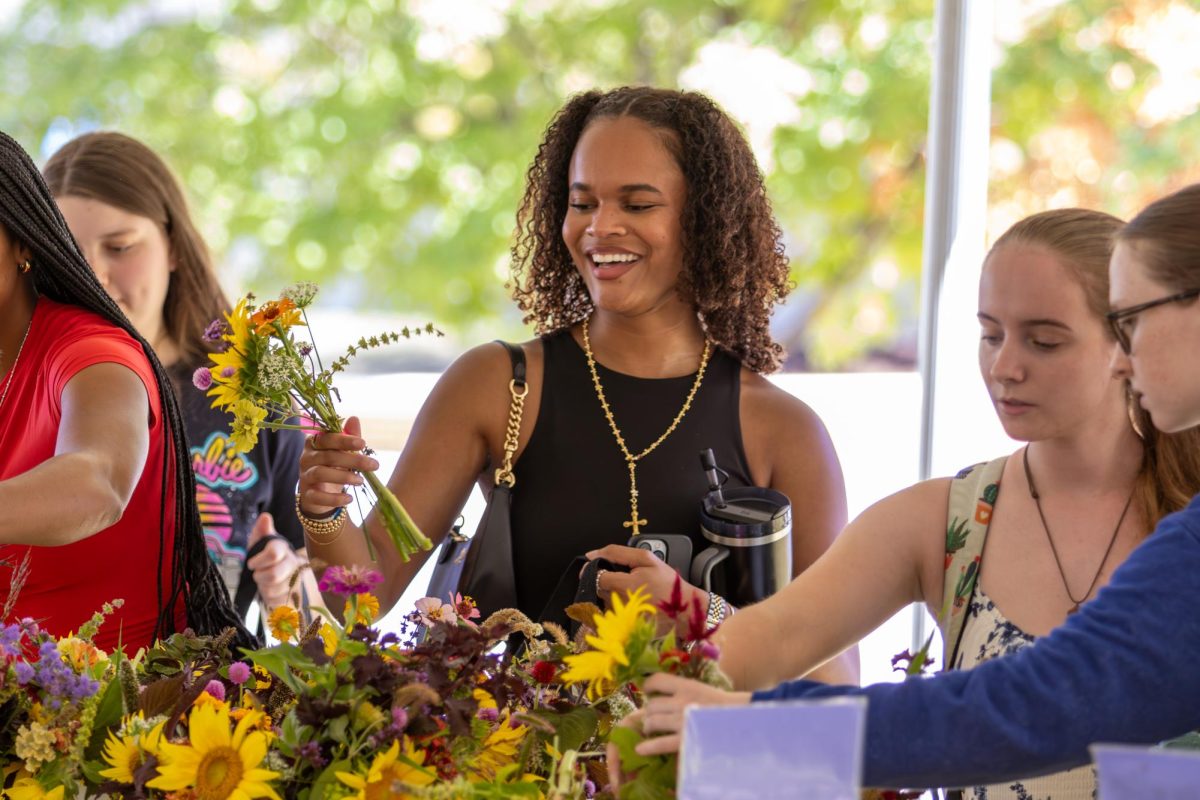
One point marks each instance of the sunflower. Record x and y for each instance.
(126, 749)
(387, 770)
(123, 755)
(227, 366)
(30, 789)
(614, 629)
(217, 765)
(500, 749)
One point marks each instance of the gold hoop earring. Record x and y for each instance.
(24, 268)
(1131, 408)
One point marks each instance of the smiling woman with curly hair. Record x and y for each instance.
(735, 270)
(648, 261)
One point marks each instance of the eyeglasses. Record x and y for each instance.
(1121, 320)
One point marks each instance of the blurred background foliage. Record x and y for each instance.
(379, 146)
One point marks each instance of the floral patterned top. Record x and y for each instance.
(988, 634)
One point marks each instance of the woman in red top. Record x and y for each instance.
(94, 482)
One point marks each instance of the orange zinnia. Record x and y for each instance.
(283, 311)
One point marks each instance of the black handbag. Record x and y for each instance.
(481, 566)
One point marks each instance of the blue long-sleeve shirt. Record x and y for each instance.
(1125, 668)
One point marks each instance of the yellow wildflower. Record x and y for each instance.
(30, 789)
(500, 749)
(614, 629)
(367, 716)
(363, 609)
(484, 698)
(387, 770)
(227, 366)
(284, 622)
(123, 755)
(262, 678)
(80, 654)
(247, 418)
(217, 764)
(329, 637)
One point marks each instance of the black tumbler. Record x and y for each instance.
(750, 531)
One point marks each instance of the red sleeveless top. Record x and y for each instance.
(129, 560)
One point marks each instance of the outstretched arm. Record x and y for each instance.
(1121, 670)
(879, 564)
(103, 440)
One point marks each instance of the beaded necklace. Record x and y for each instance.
(631, 460)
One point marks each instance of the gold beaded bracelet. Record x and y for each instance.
(316, 529)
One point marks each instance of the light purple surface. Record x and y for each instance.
(763, 751)
(1141, 773)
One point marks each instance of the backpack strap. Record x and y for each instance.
(973, 494)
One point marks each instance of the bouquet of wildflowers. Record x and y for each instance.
(333, 711)
(53, 708)
(262, 373)
(624, 649)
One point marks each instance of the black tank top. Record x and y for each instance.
(572, 489)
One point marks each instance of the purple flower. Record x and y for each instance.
(589, 788)
(346, 581)
(216, 689)
(227, 372)
(239, 672)
(10, 640)
(488, 714)
(709, 650)
(399, 718)
(304, 348)
(24, 672)
(215, 330)
(311, 752)
(202, 379)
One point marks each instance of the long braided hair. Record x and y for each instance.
(60, 272)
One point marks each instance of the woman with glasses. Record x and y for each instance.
(1058, 518)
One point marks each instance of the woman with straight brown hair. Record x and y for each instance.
(130, 217)
(94, 480)
(1006, 551)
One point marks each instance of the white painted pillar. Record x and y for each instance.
(955, 211)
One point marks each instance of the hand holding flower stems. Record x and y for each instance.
(261, 374)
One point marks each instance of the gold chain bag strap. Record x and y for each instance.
(481, 566)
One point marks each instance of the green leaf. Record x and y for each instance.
(327, 780)
(572, 729)
(1189, 741)
(280, 660)
(108, 715)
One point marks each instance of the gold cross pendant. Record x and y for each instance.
(634, 523)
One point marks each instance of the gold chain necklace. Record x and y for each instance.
(631, 460)
(1037, 501)
(9, 379)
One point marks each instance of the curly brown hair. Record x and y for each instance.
(735, 268)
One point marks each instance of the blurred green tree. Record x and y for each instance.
(380, 146)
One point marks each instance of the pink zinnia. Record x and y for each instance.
(346, 581)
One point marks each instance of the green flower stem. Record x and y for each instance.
(406, 536)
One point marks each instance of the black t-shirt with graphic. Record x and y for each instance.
(232, 489)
